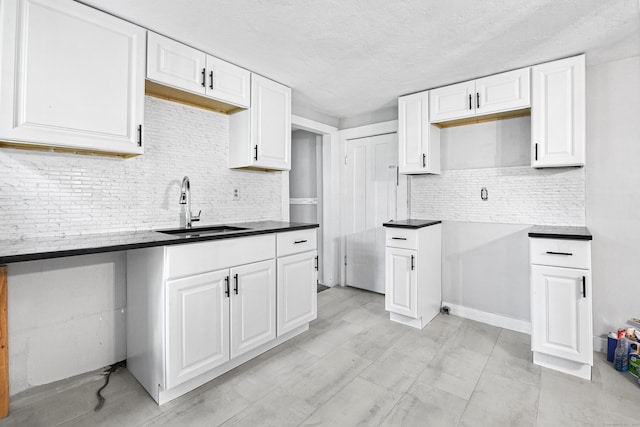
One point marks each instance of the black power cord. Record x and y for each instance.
(107, 374)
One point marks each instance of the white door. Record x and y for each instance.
(558, 113)
(503, 92)
(402, 282)
(297, 290)
(197, 325)
(452, 102)
(370, 201)
(253, 306)
(228, 82)
(72, 77)
(561, 312)
(175, 64)
(270, 124)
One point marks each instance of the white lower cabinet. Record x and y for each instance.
(413, 274)
(297, 290)
(402, 281)
(561, 306)
(253, 306)
(197, 325)
(195, 311)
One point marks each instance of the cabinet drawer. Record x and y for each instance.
(202, 257)
(401, 238)
(560, 252)
(293, 242)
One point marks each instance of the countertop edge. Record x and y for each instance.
(410, 226)
(560, 236)
(169, 241)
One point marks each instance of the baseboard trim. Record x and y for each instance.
(489, 318)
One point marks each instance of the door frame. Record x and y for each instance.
(331, 197)
(365, 131)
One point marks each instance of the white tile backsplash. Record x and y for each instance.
(517, 195)
(48, 194)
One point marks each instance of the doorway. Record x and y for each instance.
(305, 183)
(371, 183)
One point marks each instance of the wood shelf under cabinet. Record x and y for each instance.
(176, 95)
(485, 118)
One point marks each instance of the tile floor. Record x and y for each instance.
(355, 367)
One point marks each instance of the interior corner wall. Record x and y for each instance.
(485, 248)
(613, 196)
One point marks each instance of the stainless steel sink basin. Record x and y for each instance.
(201, 231)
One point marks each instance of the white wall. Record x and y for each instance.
(66, 315)
(485, 255)
(613, 190)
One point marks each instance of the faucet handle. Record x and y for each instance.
(196, 217)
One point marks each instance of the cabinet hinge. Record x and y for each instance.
(345, 260)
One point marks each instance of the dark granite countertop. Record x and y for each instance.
(560, 232)
(63, 246)
(411, 223)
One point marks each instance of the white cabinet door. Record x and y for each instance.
(558, 113)
(561, 313)
(175, 64)
(418, 141)
(452, 102)
(270, 124)
(503, 92)
(228, 82)
(72, 77)
(197, 325)
(401, 293)
(253, 306)
(297, 290)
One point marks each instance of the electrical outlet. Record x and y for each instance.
(236, 194)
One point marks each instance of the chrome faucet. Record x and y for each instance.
(185, 199)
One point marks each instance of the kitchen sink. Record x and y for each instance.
(201, 231)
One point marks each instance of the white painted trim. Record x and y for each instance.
(330, 205)
(370, 130)
(489, 318)
(301, 123)
(303, 201)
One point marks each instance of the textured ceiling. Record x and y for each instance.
(345, 58)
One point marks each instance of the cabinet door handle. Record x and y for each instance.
(235, 286)
(470, 102)
(559, 253)
(424, 160)
(584, 287)
(477, 99)
(204, 74)
(412, 263)
(139, 135)
(255, 156)
(299, 241)
(399, 238)
(316, 262)
(536, 153)
(211, 79)
(226, 288)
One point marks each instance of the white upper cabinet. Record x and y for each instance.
(72, 77)
(185, 68)
(452, 102)
(503, 92)
(260, 137)
(494, 94)
(558, 113)
(418, 141)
